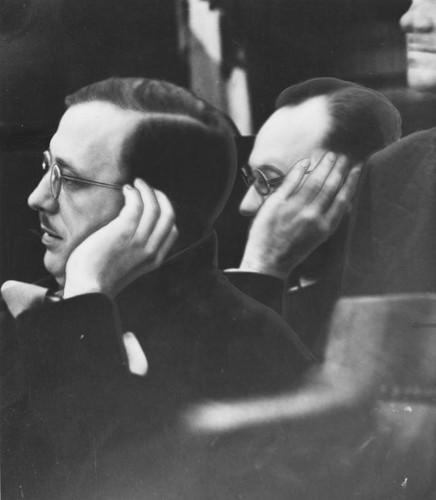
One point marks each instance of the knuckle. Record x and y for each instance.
(328, 159)
(325, 227)
(334, 180)
(125, 235)
(155, 210)
(342, 161)
(342, 201)
(148, 253)
(315, 183)
(310, 216)
(341, 198)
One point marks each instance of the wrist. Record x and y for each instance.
(82, 288)
(253, 266)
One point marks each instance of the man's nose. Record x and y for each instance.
(417, 19)
(41, 197)
(251, 202)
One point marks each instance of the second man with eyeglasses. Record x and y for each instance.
(301, 176)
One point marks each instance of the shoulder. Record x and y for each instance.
(241, 346)
(409, 161)
(413, 146)
(236, 316)
(225, 298)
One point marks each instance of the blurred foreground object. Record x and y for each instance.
(391, 248)
(363, 426)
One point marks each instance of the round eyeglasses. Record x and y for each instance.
(260, 181)
(57, 177)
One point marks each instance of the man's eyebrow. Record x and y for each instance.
(65, 166)
(266, 167)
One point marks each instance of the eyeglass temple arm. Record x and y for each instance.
(276, 179)
(93, 183)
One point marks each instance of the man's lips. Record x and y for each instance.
(49, 231)
(421, 44)
(413, 47)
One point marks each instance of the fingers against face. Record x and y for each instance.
(166, 245)
(150, 210)
(332, 183)
(148, 219)
(130, 215)
(164, 232)
(156, 231)
(293, 178)
(314, 182)
(344, 197)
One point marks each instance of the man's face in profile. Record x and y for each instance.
(419, 24)
(290, 134)
(87, 145)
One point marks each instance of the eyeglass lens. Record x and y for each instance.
(55, 181)
(260, 183)
(55, 175)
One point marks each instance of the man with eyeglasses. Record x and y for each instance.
(301, 176)
(136, 321)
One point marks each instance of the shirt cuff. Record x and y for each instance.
(264, 288)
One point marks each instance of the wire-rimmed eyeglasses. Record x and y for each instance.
(260, 181)
(56, 177)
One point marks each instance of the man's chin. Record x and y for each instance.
(55, 266)
(422, 78)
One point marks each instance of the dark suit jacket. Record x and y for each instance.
(392, 243)
(306, 309)
(68, 398)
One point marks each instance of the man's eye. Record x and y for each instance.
(70, 183)
(276, 181)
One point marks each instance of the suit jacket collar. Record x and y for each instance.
(173, 276)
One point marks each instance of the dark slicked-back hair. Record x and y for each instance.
(182, 146)
(364, 121)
